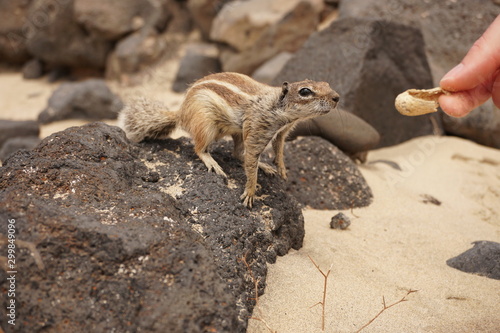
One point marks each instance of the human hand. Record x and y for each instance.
(476, 78)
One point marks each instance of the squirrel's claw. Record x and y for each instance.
(268, 169)
(247, 199)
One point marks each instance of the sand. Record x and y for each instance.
(397, 244)
(24, 99)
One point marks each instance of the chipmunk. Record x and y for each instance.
(222, 104)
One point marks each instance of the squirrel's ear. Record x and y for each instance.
(284, 90)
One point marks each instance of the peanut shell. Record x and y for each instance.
(416, 102)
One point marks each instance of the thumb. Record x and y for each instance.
(480, 63)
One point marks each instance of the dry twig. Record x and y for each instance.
(325, 276)
(385, 307)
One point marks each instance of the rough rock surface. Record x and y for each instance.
(89, 99)
(364, 61)
(257, 30)
(322, 177)
(340, 221)
(447, 41)
(138, 238)
(482, 259)
(200, 60)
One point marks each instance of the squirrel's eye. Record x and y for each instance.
(304, 92)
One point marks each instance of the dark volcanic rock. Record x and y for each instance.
(11, 129)
(322, 177)
(14, 144)
(447, 41)
(340, 221)
(482, 259)
(90, 99)
(368, 62)
(33, 69)
(137, 238)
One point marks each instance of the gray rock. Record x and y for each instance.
(112, 19)
(203, 12)
(483, 259)
(12, 129)
(267, 72)
(322, 177)
(179, 20)
(199, 61)
(368, 62)
(257, 30)
(340, 221)
(89, 99)
(17, 143)
(59, 40)
(482, 125)
(134, 53)
(33, 69)
(447, 41)
(138, 238)
(351, 134)
(15, 28)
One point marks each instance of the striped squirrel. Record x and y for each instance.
(221, 104)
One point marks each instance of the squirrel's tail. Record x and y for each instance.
(145, 119)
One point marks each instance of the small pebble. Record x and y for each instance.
(340, 221)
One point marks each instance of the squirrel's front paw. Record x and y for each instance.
(247, 198)
(282, 173)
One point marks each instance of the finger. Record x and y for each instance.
(459, 104)
(481, 61)
(495, 91)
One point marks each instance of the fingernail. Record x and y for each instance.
(453, 72)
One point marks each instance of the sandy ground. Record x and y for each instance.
(397, 244)
(24, 99)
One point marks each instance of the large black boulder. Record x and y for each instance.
(368, 62)
(321, 176)
(137, 238)
(447, 40)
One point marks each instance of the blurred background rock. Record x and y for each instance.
(126, 41)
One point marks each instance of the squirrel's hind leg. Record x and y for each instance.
(201, 143)
(211, 164)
